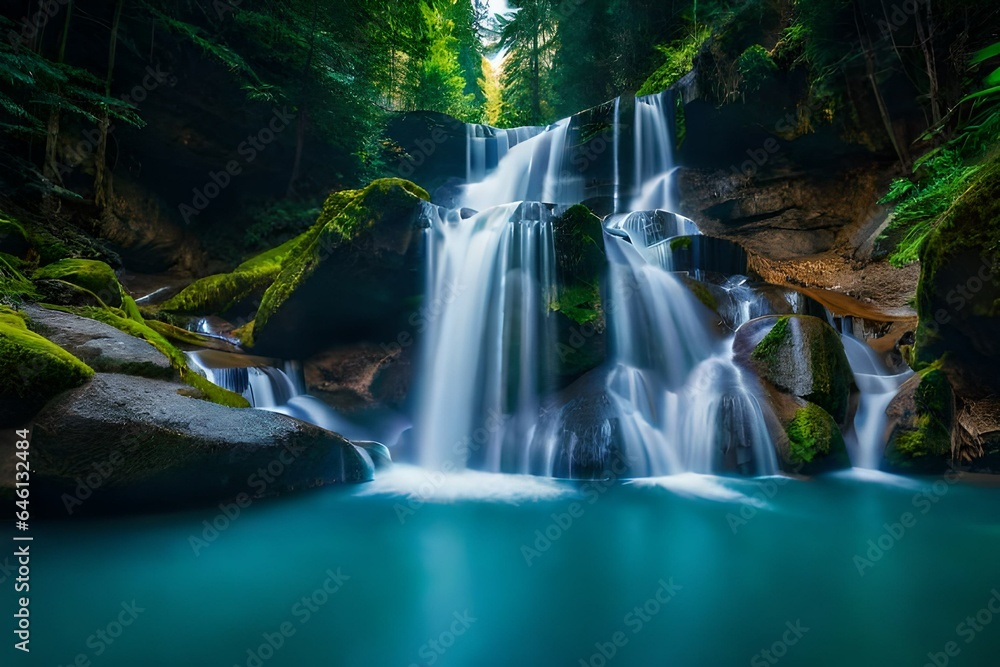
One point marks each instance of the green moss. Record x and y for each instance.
(179, 335)
(768, 348)
(678, 61)
(812, 433)
(962, 251)
(702, 293)
(32, 368)
(929, 437)
(681, 243)
(345, 216)
(581, 303)
(829, 372)
(120, 321)
(92, 275)
(580, 259)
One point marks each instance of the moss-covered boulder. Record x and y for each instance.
(92, 275)
(235, 293)
(807, 440)
(923, 417)
(580, 263)
(958, 297)
(32, 369)
(800, 355)
(355, 275)
(814, 441)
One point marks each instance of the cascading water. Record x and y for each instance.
(654, 153)
(878, 386)
(492, 279)
(676, 401)
(268, 387)
(670, 397)
(682, 403)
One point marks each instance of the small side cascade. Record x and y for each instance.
(867, 438)
(267, 386)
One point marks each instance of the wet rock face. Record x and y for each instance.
(801, 356)
(173, 450)
(958, 298)
(147, 233)
(359, 377)
(782, 214)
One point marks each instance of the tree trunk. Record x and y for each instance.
(102, 181)
(50, 168)
(300, 131)
(927, 46)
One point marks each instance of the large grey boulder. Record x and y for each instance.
(101, 346)
(122, 442)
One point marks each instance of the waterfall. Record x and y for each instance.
(682, 403)
(868, 436)
(654, 152)
(488, 353)
(670, 399)
(536, 168)
(574, 159)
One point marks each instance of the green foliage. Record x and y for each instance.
(529, 37)
(276, 221)
(755, 67)
(442, 86)
(679, 58)
(920, 202)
